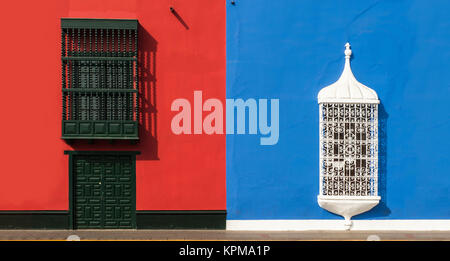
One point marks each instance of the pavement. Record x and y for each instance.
(220, 235)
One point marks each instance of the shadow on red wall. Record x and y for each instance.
(147, 90)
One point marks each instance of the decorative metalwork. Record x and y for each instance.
(100, 78)
(348, 145)
(349, 149)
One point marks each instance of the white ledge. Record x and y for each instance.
(348, 206)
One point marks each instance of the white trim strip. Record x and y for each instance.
(336, 100)
(328, 224)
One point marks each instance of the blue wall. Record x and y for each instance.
(290, 50)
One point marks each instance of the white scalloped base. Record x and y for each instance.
(348, 206)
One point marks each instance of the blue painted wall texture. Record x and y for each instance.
(290, 50)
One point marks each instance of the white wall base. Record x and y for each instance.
(338, 225)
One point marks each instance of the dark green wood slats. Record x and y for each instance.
(99, 79)
(104, 191)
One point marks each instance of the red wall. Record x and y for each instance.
(180, 55)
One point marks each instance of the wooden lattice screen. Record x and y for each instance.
(99, 79)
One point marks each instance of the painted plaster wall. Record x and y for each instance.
(179, 55)
(290, 50)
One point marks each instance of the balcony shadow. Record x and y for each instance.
(147, 96)
(380, 210)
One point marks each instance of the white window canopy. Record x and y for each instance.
(348, 146)
(347, 89)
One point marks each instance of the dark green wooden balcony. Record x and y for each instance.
(99, 79)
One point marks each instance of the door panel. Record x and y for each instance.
(118, 192)
(104, 191)
(88, 192)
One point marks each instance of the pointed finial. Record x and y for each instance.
(347, 51)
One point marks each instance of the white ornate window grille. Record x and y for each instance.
(349, 153)
(348, 112)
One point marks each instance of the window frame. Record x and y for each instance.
(104, 103)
